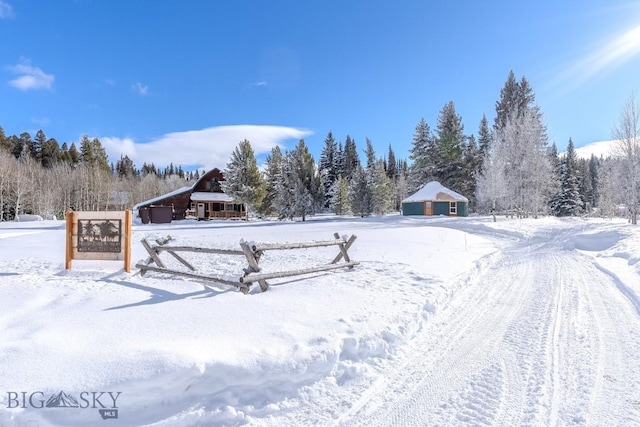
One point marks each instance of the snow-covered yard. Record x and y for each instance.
(445, 321)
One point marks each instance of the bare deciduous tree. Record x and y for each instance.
(626, 132)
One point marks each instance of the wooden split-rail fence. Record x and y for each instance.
(252, 252)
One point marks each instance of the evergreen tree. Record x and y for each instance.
(18, 145)
(392, 168)
(125, 168)
(243, 181)
(93, 153)
(340, 161)
(508, 102)
(471, 165)
(584, 185)
(301, 192)
(484, 136)
(74, 154)
(449, 170)
(360, 193)
(38, 142)
(567, 202)
(382, 191)
(5, 145)
(594, 166)
(370, 154)
(50, 153)
(421, 168)
(273, 176)
(340, 202)
(329, 166)
(351, 159)
(484, 140)
(450, 133)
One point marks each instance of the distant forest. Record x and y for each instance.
(507, 167)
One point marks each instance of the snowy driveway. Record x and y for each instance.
(542, 337)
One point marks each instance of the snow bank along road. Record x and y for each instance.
(542, 336)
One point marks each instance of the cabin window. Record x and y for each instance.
(452, 207)
(428, 205)
(214, 185)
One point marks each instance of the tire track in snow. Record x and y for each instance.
(460, 377)
(542, 338)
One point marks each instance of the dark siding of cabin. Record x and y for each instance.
(413, 208)
(463, 209)
(179, 202)
(210, 182)
(441, 208)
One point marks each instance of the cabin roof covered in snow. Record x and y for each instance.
(202, 196)
(435, 191)
(164, 196)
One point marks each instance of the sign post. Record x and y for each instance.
(99, 236)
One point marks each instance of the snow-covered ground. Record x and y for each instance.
(445, 321)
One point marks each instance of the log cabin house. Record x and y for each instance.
(203, 200)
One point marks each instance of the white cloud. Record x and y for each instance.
(260, 83)
(140, 88)
(6, 11)
(41, 121)
(205, 148)
(30, 78)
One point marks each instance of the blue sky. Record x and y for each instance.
(173, 81)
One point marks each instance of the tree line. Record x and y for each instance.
(39, 176)
(507, 167)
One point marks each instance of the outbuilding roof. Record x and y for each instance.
(164, 196)
(435, 191)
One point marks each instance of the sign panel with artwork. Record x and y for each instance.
(102, 236)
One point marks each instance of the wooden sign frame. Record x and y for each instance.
(103, 236)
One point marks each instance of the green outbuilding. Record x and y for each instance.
(435, 199)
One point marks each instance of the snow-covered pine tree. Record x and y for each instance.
(567, 201)
(301, 192)
(328, 166)
(584, 185)
(242, 178)
(594, 166)
(273, 176)
(382, 189)
(360, 193)
(340, 202)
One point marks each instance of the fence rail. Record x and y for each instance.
(252, 253)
